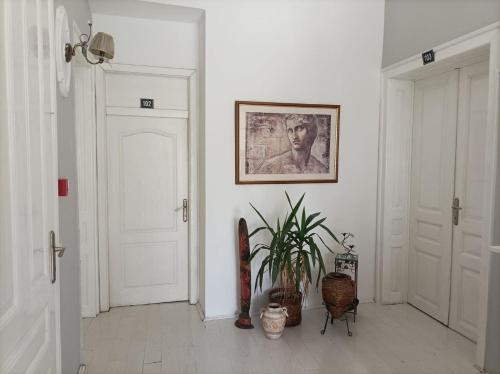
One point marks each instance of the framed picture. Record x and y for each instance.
(286, 143)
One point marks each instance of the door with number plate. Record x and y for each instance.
(449, 137)
(147, 187)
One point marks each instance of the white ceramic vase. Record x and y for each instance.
(273, 319)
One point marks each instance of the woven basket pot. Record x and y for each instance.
(338, 292)
(292, 303)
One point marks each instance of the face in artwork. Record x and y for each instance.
(300, 132)
(288, 143)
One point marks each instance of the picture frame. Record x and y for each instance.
(281, 143)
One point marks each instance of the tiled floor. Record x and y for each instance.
(170, 338)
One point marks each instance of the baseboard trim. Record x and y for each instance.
(223, 316)
(257, 313)
(482, 371)
(200, 311)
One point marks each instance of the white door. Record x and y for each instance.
(148, 229)
(433, 168)
(29, 301)
(448, 166)
(469, 187)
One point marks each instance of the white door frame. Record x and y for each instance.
(193, 152)
(84, 88)
(395, 160)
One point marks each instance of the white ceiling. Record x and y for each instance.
(145, 9)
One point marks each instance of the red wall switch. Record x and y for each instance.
(63, 187)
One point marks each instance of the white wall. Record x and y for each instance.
(288, 51)
(492, 364)
(79, 12)
(6, 292)
(301, 51)
(151, 42)
(414, 26)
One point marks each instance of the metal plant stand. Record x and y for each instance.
(346, 262)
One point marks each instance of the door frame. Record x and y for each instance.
(395, 140)
(102, 265)
(84, 88)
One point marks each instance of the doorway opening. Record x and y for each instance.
(446, 186)
(138, 186)
(430, 252)
(144, 185)
(141, 172)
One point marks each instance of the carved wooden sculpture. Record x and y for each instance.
(244, 321)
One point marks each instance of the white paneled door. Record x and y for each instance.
(433, 172)
(446, 217)
(147, 183)
(147, 189)
(29, 288)
(469, 186)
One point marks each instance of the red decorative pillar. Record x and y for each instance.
(244, 321)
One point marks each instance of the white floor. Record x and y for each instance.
(170, 338)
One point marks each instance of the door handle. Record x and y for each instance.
(456, 208)
(185, 210)
(54, 250)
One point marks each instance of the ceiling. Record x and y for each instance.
(146, 9)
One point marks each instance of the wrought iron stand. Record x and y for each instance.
(346, 262)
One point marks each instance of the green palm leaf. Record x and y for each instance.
(292, 251)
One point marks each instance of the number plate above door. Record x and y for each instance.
(147, 103)
(428, 57)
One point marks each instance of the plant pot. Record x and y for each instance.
(291, 301)
(338, 291)
(273, 320)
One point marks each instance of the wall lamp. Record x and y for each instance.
(102, 46)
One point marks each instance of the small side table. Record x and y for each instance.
(346, 262)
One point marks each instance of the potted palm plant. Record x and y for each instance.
(291, 255)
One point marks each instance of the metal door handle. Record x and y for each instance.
(54, 250)
(185, 210)
(456, 208)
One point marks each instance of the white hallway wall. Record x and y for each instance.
(302, 51)
(151, 42)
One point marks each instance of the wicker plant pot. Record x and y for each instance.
(293, 304)
(338, 292)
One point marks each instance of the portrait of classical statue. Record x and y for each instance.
(286, 143)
